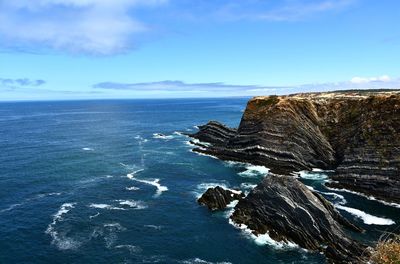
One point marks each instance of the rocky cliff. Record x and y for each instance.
(354, 133)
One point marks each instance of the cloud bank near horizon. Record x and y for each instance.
(13, 84)
(168, 86)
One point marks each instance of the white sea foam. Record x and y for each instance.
(132, 188)
(105, 206)
(42, 195)
(154, 227)
(254, 171)
(133, 204)
(340, 198)
(87, 149)
(162, 136)
(60, 240)
(263, 239)
(111, 237)
(178, 133)
(11, 207)
(366, 218)
(202, 154)
(201, 261)
(231, 208)
(369, 197)
(93, 216)
(140, 139)
(316, 175)
(247, 186)
(155, 183)
(131, 248)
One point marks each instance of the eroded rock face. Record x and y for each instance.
(288, 211)
(355, 133)
(218, 198)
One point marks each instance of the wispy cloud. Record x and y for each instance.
(8, 83)
(179, 86)
(286, 10)
(100, 27)
(107, 27)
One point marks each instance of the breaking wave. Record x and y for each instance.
(366, 218)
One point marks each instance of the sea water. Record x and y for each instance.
(116, 182)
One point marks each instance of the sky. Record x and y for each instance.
(107, 49)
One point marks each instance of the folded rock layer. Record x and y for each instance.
(356, 133)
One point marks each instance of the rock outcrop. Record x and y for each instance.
(288, 211)
(218, 198)
(355, 133)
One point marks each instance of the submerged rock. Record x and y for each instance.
(218, 198)
(288, 211)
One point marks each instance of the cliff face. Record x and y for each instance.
(357, 134)
(288, 211)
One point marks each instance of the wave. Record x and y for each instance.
(154, 227)
(155, 183)
(88, 149)
(339, 197)
(178, 133)
(162, 136)
(132, 188)
(93, 216)
(133, 204)
(254, 171)
(263, 239)
(369, 197)
(111, 237)
(195, 141)
(105, 206)
(140, 139)
(42, 195)
(202, 154)
(38, 196)
(366, 218)
(60, 240)
(131, 248)
(200, 261)
(11, 207)
(315, 174)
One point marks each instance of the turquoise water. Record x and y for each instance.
(89, 182)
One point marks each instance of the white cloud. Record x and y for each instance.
(100, 27)
(383, 78)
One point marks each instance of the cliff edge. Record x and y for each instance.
(354, 133)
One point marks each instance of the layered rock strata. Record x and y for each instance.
(355, 133)
(288, 211)
(218, 198)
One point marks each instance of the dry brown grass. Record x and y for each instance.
(387, 251)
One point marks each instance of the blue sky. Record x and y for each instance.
(88, 49)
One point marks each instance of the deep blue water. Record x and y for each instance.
(88, 182)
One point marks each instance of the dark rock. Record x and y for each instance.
(288, 211)
(218, 198)
(355, 133)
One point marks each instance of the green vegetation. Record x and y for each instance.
(271, 100)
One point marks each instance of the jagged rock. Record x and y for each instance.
(218, 198)
(355, 133)
(288, 211)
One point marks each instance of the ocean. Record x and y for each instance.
(115, 181)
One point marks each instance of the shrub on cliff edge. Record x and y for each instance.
(387, 251)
